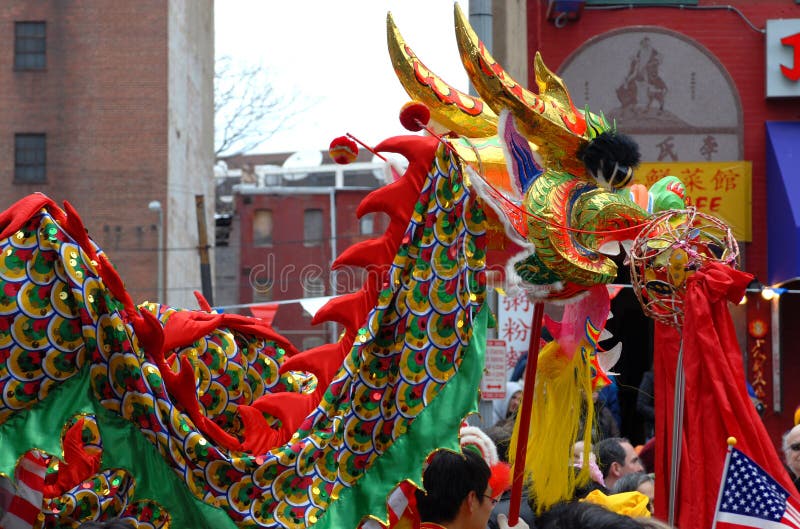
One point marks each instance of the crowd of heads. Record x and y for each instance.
(457, 492)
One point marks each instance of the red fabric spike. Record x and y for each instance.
(259, 437)
(418, 150)
(13, 218)
(374, 282)
(346, 309)
(73, 225)
(323, 361)
(202, 302)
(365, 254)
(396, 232)
(180, 385)
(254, 326)
(396, 200)
(290, 408)
(187, 326)
(113, 282)
(151, 337)
(78, 464)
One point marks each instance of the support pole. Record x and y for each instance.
(525, 413)
(202, 248)
(161, 295)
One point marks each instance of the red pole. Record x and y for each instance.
(367, 147)
(525, 413)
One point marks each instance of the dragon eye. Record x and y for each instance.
(621, 176)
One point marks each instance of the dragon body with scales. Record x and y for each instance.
(179, 418)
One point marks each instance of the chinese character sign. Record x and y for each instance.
(721, 189)
(514, 325)
(495, 372)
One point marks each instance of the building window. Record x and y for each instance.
(262, 292)
(30, 46)
(262, 227)
(260, 283)
(313, 287)
(30, 158)
(367, 224)
(312, 227)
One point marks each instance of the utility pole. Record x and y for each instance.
(156, 206)
(202, 248)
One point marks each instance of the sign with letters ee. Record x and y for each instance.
(721, 189)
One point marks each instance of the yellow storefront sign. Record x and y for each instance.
(721, 189)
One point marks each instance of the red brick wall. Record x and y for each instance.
(102, 102)
(285, 262)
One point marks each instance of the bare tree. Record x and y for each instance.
(248, 108)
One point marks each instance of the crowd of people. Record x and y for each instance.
(616, 467)
(457, 495)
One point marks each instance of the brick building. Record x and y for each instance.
(284, 229)
(110, 107)
(689, 83)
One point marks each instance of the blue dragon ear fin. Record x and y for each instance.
(523, 167)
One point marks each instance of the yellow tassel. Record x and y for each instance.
(563, 389)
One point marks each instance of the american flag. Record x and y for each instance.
(21, 504)
(749, 497)
(401, 506)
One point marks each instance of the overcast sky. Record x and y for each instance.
(334, 56)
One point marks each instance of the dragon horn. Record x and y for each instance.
(548, 119)
(459, 112)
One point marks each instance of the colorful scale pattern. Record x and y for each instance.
(57, 316)
(50, 306)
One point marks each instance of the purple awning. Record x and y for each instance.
(783, 200)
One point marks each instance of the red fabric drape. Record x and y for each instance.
(716, 401)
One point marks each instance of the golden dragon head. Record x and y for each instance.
(551, 171)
